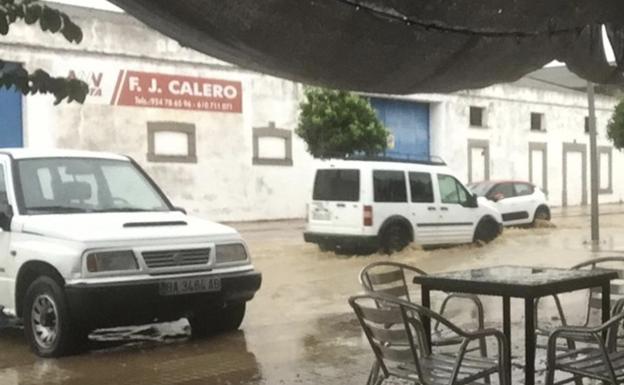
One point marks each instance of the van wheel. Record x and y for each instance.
(47, 319)
(542, 213)
(394, 238)
(486, 232)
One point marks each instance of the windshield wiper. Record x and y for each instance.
(120, 210)
(60, 209)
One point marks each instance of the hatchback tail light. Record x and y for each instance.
(368, 215)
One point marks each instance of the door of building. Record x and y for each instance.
(408, 123)
(574, 179)
(11, 131)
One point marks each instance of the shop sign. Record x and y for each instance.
(143, 89)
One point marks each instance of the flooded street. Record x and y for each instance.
(299, 328)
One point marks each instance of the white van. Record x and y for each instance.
(387, 203)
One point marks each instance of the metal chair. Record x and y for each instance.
(594, 302)
(599, 360)
(395, 331)
(390, 278)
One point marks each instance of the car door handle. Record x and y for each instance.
(444, 208)
(341, 205)
(431, 208)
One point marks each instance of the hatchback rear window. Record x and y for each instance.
(337, 185)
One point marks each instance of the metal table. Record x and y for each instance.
(524, 282)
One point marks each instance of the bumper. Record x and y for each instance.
(134, 303)
(333, 240)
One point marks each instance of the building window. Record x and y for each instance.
(537, 121)
(477, 116)
(272, 146)
(171, 142)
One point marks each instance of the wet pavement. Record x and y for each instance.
(299, 329)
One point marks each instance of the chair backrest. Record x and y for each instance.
(615, 263)
(390, 278)
(395, 332)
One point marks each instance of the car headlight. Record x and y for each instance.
(111, 261)
(231, 253)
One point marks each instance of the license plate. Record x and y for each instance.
(321, 215)
(189, 286)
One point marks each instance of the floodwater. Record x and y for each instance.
(299, 329)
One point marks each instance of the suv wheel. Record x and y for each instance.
(487, 231)
(394, 238)
(215, 320)
(47, 319)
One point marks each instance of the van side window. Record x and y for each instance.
(451, 191)
(421, 187)
(389, 186)
(337, 185)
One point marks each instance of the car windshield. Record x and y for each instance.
(480, 188)
(80, 185)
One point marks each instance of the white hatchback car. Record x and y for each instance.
(388, 204)
(88, 240)
(520, 203)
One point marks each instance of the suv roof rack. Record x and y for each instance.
(397, 157)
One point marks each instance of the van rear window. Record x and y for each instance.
(337, 185)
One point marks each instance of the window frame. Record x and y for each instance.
(541, 127)
(153, 128)
(482, 122)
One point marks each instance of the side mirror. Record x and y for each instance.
(5, 218)
(471, 201)
(180, 209)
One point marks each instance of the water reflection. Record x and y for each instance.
(156, 354)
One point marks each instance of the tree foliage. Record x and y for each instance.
(615, 129)
(48, 20)
(339, 123)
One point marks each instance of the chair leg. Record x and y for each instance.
(373, 376)
(550, 376)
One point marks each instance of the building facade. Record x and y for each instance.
(220, 140)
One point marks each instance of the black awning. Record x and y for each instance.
(396, 46)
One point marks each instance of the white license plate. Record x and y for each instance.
(189, 286)
(321, 215)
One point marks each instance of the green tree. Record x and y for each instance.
(339, 123)
(615, 129)
(48, 20)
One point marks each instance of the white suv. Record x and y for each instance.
(368, 204)
(88, 240)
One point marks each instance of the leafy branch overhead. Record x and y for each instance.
(48, 20)
(339, 123)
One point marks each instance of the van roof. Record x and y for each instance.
(382, 164)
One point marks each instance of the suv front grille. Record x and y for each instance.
(176, 258)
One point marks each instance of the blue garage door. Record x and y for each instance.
(409, 124)
(11, 133)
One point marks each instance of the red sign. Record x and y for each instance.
(142, 89)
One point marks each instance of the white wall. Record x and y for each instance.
(224, 184)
